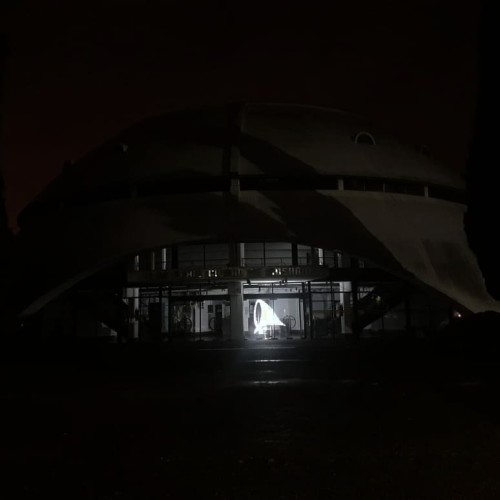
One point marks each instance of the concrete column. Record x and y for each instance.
(170, 311)
(235, 290)
(304, 310)
(242, 254)
(133, 303)
(236, 254)
(345, 302)
(311, 315)
(321, 257)
(354, 311)
(163, 259)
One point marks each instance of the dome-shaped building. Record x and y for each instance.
(205, 220)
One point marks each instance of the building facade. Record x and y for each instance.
(256, 220)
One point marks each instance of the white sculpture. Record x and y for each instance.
(264, 317)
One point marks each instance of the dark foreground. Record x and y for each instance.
(398, 419)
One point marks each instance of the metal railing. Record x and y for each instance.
(247, 262)
(229, 273)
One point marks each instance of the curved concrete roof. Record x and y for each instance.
(193, 143)
(418, 238)
(323, 138)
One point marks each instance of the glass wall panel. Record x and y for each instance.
(278, 254)
(304, 255)
(330, 258)
(254, 254)
(190, 256)
(162, 258)
(216, 255)
(146, 260)
(322, 314)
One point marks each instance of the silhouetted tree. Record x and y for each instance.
(6, 243)
(481, 221)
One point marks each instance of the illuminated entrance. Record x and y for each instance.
(270, 310)
(264, 318)
(262, 291)
(273, 310)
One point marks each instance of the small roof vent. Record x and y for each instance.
(364, 138)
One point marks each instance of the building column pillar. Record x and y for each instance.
(235, 290)
(354, 311)
(311, 315)
(345, 302)
(304, 311)
(164, 265)
(348, 291)
(133, 305)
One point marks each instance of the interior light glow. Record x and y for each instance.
(264, 317)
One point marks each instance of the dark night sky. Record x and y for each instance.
(79, 72)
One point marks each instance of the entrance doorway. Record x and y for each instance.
(273, 311)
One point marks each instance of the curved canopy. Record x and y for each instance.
(195, 143)
(418, 238)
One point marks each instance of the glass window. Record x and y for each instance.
(329, 258)
(254, 254)
(415, 189)
(304, 255)
(190, 256)
(163, 259)
(216, 255)
(146, 260)
(278, 254)
(395, 187)
(353, 184)
(374, 185)
(364, 138)
(344, 260)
